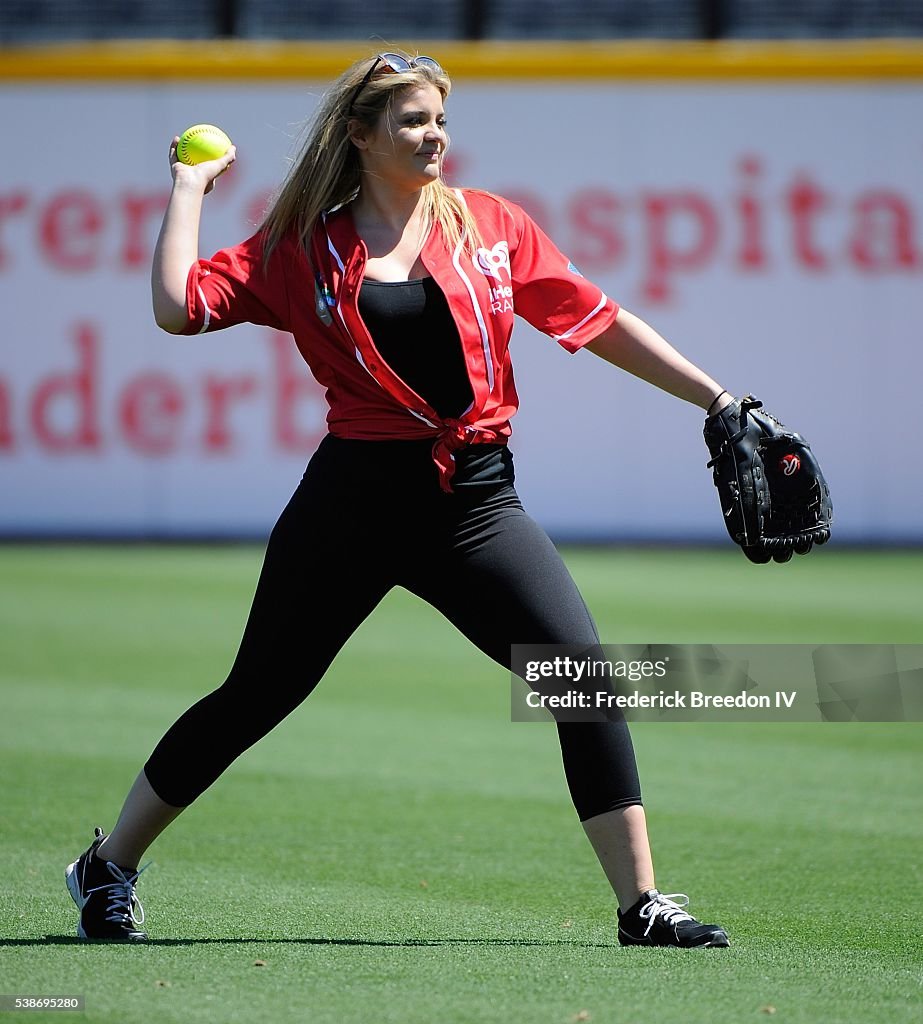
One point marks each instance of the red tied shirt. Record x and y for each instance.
(517, 269)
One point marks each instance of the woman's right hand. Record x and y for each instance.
(199, 177)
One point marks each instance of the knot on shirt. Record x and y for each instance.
(454, 435)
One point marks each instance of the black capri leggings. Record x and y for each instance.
(368, 516)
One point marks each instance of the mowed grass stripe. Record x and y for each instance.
(696, 596)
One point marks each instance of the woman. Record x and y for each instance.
(400, 294)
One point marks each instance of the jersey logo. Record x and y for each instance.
(491, 261)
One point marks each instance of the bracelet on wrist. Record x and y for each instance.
(715, 400)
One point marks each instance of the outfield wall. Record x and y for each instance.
(760, 205)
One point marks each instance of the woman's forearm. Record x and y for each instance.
(637, 348)
(176, 251)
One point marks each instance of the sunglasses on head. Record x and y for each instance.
(396, 63)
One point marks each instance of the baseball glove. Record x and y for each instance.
(773, 494)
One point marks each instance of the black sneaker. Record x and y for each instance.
(105, 896)
(658, 920)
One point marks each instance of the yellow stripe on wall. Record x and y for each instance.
(664, 60)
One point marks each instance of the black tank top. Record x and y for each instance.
(413, 330)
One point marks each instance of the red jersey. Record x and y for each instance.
(517, 270)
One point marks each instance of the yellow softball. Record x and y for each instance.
(202, 142)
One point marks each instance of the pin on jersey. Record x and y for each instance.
(323, 301)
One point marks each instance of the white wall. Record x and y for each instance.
(772, 232)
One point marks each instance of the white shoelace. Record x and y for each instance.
(122, 896)
(668, 907)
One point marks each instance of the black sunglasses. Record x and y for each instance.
(397, 64)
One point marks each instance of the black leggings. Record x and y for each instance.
(366, 517)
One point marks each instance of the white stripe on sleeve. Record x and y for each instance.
(567, 334)
(208, 312)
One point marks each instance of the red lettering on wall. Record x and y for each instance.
(294, 387)
(69, 412)
(149, 412)
(665, 215)
(771, 217)
(883, 238)
(806, 201)
(598, 243)
(220, 393)
(10, 205)
(751, 254)
(71, 398)
(71, 227)
(138, 212)
(6, 416)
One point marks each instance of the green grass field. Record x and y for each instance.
(399, 851)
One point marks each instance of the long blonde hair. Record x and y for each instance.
(327, 172)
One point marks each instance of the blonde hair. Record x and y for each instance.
(327, 172)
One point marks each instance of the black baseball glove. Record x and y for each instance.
(773, 494)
